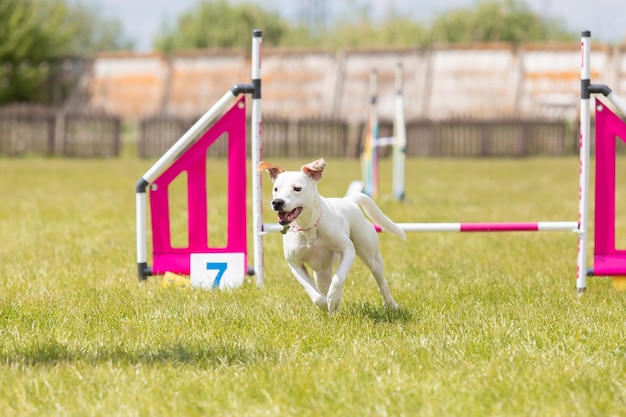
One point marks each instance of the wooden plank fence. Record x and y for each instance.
(29, 129)
(489, 138)
(26, 129)
(33, 129)
(281, 137)
(91, 134)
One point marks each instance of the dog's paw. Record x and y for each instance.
(335, 292)
(392, 305)
(321, 302)
(333, 302)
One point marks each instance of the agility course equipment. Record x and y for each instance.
(372, 142)
(208, 266)
(226, 266)
(607, 259)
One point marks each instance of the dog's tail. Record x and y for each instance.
(375, 213)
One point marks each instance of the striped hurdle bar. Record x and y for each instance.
(488, 227)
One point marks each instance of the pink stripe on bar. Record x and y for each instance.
(487, 227)
(499, 227)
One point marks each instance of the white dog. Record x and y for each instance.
(321, 231)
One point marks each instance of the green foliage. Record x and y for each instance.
(33, 31)
(489, 324)
(216, 24)
(93, 33)
(496, 21)
(36, 32)
(395, 32)
(359, 30)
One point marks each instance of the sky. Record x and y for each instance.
(142, 19)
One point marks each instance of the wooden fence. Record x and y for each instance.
(493, 138)
(483, 138)
(89, 133)
(84, 133)
(281, 137)
(332, 138)
(158, 132)
(27, 129)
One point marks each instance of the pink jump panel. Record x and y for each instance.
(193, 161)
(608, 260)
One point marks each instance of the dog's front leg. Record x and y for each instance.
(335, 291)
(302, 276)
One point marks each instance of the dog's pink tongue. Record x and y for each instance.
(287, 217)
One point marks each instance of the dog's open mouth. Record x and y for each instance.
(286, 217)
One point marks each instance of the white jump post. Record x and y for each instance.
(399, 133)
(256, 120)
(584, 143)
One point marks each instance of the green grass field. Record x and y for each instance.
(489, 325)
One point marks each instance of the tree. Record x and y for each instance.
(35, 33)
(486, 21)
(502, 21)
(359, 29)
(32, 33)
(395, 32)
(216, 24)
(92, 33)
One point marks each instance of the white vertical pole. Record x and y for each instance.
(399, 142)
(585, 135)
(257, 204)
(140, 218)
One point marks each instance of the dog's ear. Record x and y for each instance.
(315, 169)
(273, 169)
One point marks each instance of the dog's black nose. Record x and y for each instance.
(278, 204)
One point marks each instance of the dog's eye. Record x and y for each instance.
(297, 189)
(275, 189)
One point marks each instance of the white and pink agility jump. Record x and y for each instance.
(225, 266)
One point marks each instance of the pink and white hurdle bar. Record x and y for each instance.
(608, 261)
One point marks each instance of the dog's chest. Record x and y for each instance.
(300, 248)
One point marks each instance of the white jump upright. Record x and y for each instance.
(399, 133)
(585, 150)
(256, 120)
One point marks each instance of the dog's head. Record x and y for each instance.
(294, 191)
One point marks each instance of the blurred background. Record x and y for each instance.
(94, 78)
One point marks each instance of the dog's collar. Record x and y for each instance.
(301, 229)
